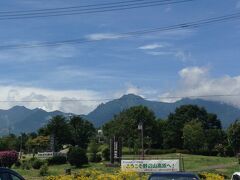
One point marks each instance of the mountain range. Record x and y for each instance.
(104, 112)
(21, 119)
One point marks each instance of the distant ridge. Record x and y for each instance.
(21, 119)
(104, 112)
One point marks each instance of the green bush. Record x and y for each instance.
(56, 160)
(92, 157)
(77, 157)
(106, 153)
(26, 165)
(43, 170)
(37, 164)
(18, 164)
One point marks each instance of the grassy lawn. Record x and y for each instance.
(195, 163)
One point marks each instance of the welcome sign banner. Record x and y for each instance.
(150, 165)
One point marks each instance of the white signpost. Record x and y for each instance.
(150, 165)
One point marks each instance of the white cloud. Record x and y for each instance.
(103, 36)
(183, 56)
(192, 76)
(151, 46)
(51, 100)
(196, 81)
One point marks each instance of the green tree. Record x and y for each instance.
(81, 131)
(193, 136)
(58, 127)
(125, 125)
(9, 142)
(77, 156)
(214, 137)
(233, 133)
(182, 115)
(40, 143)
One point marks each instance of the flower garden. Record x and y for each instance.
(100, 175)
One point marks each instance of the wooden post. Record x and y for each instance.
(112, 151)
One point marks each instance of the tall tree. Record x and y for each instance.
(126, 123)
(182, 115)
(233, 133)
(193, 136)
(81, 131)
(58, 128)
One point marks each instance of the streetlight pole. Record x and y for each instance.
(140, 127)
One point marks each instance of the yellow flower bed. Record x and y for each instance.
(98, 175)
(211, 176)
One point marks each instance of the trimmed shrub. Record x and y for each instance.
(77, 157)
(106, 153)
(37, 163)
(57, 160)
(26, 165)
(17, 164)
(92, 157)
(43, 170)
(8, 158)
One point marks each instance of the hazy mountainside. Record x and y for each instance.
(104, 112)
(20, 119)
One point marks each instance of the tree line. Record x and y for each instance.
(189, 128)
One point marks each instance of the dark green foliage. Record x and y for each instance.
(93, 149)
(57, 160)
(106, 153)
(193, 136)
(9, 142)
(43, 170)
(94, 157)
(26, 165)
(37, 163)
(77, 157)
(213, 138)
(81, 131)
(59, 128)
(18, 164)
(176, 121)
(234, 136)
(125, 125)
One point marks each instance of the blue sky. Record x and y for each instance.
(176, 63)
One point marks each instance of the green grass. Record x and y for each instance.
(194, 163)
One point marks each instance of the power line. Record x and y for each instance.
(81, 7)
(110, 99)
(8, 15)
(193, 24)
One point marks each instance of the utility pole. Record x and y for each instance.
(140, 127)
(21, 146)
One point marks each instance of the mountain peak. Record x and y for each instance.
(131, 96)
(18, 108)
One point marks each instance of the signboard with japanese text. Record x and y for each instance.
(150, 165)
